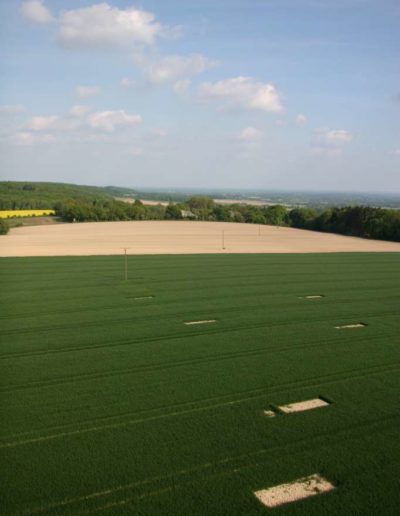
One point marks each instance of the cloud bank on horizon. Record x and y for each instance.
(215, 94)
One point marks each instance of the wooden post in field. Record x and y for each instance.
(126, 263)
(259, 230)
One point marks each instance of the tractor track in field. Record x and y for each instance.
(230, 465)
(184, 274)
(150, 317)
(189, 283)
(159, 302)
(145, 368)
(277, 388)
(195, 332)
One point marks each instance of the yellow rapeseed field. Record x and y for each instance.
(6, 214)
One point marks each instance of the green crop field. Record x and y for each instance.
(112, 405)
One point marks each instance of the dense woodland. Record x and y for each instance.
(74, 203)
(25, 195)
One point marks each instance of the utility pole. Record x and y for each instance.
(126, 263)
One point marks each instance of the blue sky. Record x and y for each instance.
(271, 94)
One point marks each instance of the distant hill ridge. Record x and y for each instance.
(75, 203)
(19, 195)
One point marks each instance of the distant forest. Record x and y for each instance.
(33, 196)
(74, 203)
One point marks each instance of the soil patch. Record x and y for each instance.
(208, 321)
(301, 406)
(356, 325)
(297, 490)
(269, 413)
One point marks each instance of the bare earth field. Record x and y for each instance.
(251, 202)
(131, 200)
(34, 221)
(176, 237)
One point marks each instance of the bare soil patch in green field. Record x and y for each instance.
(294, 491)
(350, 326)
(205, 321)
(301, 406)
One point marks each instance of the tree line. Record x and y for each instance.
(360, 221)
(23, 195)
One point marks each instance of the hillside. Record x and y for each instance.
(75, 203)
(31, 195)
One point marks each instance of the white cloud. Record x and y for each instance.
(76, 125)
(109, 121)
(52, 124)
(84, 92)
(172, 68)
(24, 138)
(42, 123)
(127, 83)
(79, 110)
(397, 152)
(182, 86)
(243, 93)
(329, 152)
(250, 134)
(12, 109)
(102, 25)
(34, 11)
(159, 133)
(247, 144)
(301, 120)
(28, 138)
(330, 142)
(333, 137)
(93, 138)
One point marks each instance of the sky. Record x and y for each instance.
(243, 94)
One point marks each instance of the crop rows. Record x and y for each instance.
(112, 405)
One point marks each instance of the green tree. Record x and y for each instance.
(253, 215)
(4, 227)
(201, 202)
(302, 217)
(222, 213)
(275, 215)
(238, 216)
(173, 212)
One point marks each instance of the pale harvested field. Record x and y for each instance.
(251, 202)
(131, 200)
(176, 237)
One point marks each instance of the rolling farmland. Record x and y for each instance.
(181, 391)
(178, 237)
